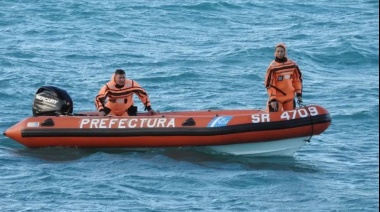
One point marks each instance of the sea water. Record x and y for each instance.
(192, 55)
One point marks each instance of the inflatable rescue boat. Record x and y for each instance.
(237, 132)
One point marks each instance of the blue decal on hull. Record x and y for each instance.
(220, 121)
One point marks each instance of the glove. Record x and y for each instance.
(150, 110)
(299, 100)
(274, 105)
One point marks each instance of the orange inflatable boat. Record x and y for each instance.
(238, 132)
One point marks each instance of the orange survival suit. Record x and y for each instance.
(283, 79)
(116, 100)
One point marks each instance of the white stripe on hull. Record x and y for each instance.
(286, 147)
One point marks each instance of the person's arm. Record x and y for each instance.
(269, 82)
(143, 96)
(297, 83)
(100, 100)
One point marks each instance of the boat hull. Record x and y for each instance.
(238, 132)
(283, 147)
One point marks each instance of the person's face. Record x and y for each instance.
(280, 52)
(120, 79)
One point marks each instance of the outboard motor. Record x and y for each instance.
(52, 101)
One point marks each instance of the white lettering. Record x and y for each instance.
(285, 115)
(161, 122)
(105, 123)
(142, 122)
(45, 99)
(303, 113)
(171, 123)
(112, 122)
(255, 118)
(94, 123)
(133, 125)
(265, 117)
(294, 113)
(84, 122)
(313, 111)
(151, 123)
(122, 123)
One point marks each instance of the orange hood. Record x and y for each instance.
(282, 45)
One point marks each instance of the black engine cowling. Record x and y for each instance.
(52, 101)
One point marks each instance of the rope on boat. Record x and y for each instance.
(300, 104)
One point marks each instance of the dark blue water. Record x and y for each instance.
(192, 55)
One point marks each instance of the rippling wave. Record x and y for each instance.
(193, 55)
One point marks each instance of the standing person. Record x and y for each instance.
(283, 80)
(116, 97)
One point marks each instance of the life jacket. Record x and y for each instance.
(119, 99)
(283, 80)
